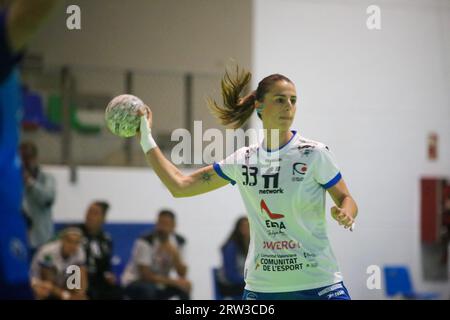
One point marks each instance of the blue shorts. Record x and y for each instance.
(335, 291)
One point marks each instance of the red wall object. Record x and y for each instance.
(431, 207)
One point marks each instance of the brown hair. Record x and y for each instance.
(236, 110)
(168, 213)
(237, 237)
(104, 205)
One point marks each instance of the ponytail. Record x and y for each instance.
(236, 110)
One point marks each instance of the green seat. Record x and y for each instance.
(55, 115)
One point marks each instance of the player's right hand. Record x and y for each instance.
(147, 112)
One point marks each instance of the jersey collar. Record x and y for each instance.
(283, 147)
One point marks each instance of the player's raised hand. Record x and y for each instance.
(145, 129)
(342, 217)
(147, 120)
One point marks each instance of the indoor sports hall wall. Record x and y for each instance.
(373, 97)
(160, 41)
(194, 35)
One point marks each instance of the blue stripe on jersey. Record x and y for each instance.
(335, 291)
(333, 181)
(219, 171)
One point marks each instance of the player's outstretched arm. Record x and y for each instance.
(179, 185)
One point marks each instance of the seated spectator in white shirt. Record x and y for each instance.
(51, 277)
(148, 273)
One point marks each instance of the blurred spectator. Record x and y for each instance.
(38, 198)
(19, 21)
(154, 256)
(49, 269)
(98, 247)
(234, 252)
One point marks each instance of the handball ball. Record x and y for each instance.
(122, 116)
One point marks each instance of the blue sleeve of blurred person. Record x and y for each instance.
(230, 252)
(10, 117)
(10, 164)
(14, 283)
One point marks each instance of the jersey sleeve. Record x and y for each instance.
(227, 168)
(326, 171)
(142, 253)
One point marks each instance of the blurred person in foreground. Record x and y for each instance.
(19, 21)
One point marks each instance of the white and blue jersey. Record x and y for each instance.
(284, 195)
(335, 291)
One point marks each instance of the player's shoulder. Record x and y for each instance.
(242, 154)
(303, 143)
(248, 150)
